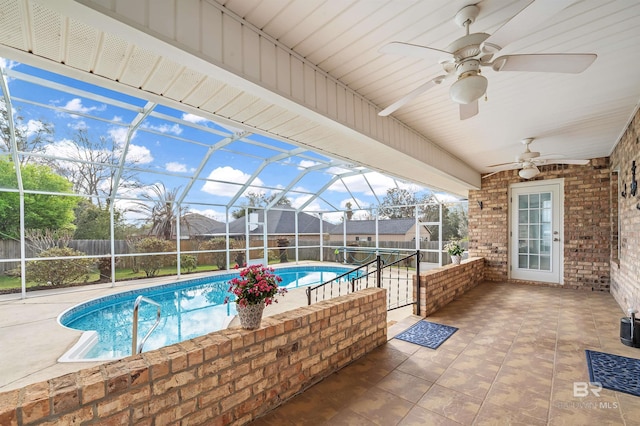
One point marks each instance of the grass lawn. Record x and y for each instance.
(8, 283)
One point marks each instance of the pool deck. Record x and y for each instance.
(31, 340)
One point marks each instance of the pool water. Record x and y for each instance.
(188, 309)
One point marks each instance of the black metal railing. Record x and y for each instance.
(396, 277)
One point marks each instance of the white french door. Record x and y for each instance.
(536, 231)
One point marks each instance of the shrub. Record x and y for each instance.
(219, 259)
(151, 264)
(188, 262)
(61, 271)
(104, 267)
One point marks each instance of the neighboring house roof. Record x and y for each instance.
(196, 224)
(368, 227)
(279, 222)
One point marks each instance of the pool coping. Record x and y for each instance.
(32, 340)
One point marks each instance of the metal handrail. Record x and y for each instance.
(135, 347)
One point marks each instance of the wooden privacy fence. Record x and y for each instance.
(307, 250)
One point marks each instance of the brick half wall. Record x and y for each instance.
(230, 376)
(440, 286)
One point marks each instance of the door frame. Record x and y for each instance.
(510, 230)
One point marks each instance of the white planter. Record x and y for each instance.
(250, 316)
(456, 259)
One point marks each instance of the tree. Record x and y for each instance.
(92, 222)
(41, 211)
(399, 203)
(159, 210)
(94, 173)
(349, 211)
(31, 137)
(259, 199)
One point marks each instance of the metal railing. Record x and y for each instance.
(396, 277)
(135, 347)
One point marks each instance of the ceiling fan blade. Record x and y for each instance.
(506, 166)
(527, 21)
(412, 50)
(572, 63)
(491, 174)
(468, 110)
(577, 162)
(411, 95)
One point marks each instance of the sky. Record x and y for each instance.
(170, 146)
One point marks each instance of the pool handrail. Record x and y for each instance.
(135, 347)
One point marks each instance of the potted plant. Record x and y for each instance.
(455, 251)
(255, 288)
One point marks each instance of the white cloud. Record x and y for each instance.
(174, 166)
(8, 63)
(139, 154)
(228, 174)
(78, 125)
(303, 164)
(165, 128)
(75, 105)
(192, 118)
(118, 134)
(32, 127)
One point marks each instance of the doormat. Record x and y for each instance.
(614, 372)
(429, 334)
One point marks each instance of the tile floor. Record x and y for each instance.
(514, 361)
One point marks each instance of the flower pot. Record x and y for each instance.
(250, 315)
(456, 259)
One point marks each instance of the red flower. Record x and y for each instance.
(256, 284)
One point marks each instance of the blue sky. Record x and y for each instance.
(168, 151)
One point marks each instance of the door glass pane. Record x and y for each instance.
(523, 201)
(523, 216)
(522, 231)
(534, 231)
(522, 246)
(534, 201)
(523, 262)
(545, 263)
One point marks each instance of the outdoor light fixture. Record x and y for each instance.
(529, 171)
(469, 87)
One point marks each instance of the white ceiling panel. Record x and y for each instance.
(323, 55)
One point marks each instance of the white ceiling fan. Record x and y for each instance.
(466, 55)
(528, 162)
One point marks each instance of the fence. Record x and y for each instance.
(357, 252)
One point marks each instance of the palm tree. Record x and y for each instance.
(159, 210)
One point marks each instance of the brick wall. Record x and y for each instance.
(587, 223)
(228, 377)
(442, 285)
(625, 268)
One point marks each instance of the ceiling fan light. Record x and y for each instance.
(529, 172)
(468, 89)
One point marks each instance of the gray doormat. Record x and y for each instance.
(428, 334)
(614, 372)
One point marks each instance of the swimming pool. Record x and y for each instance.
(188, 309)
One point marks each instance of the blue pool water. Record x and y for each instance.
(188, 309)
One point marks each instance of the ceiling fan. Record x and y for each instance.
(528, 162)
(466, 55)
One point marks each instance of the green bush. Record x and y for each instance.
(62, 271)
(151, 264)
(219, 259)
(188, 262)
